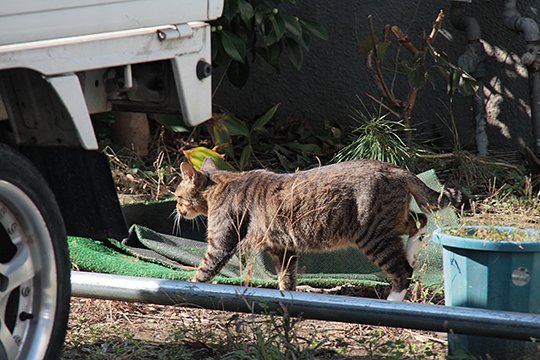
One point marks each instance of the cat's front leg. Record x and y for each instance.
(217, 255)
(286, 262)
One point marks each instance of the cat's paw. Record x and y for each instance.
(397, 296)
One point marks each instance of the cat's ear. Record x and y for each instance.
(209, 165)
(188, 172)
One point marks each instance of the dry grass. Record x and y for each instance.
(155, 176)
(104, 329)
(505, 210)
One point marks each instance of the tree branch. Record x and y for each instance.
(436, 27)
(404, 40)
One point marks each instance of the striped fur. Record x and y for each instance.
(361, 203)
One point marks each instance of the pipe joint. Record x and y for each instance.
(510, 14)
(529, 28)
(473, 60)
(510, 19)
(531, 59)
(513, 20)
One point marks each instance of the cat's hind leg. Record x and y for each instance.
(388, 253)
(416, 224)
(286, 262)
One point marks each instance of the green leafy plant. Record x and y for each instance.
(223, 129)
(297, 145)
(286, 144)
(259, 31)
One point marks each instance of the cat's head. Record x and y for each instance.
(190, 201)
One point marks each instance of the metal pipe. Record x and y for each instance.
(534, 85)
(473, 62)
(531, 32)
(461, 320)
(461, 21)
(514, 21)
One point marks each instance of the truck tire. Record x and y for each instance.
(35, 284)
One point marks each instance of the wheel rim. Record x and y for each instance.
(28, 288)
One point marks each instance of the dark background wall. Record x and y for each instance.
(334, 74)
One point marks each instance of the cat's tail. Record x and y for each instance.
(431, 200)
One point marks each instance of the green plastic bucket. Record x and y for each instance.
(497, 275)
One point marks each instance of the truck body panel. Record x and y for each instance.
(34, 20)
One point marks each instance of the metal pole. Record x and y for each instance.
(460, 320)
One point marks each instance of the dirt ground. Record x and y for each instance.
(104, 329)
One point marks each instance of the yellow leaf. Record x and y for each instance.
(196, 157)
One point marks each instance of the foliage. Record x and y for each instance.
(418, 70)
(479, 174)
(133, 176)
(296, 145)
(259, 31)
(224, 128)
(289, 145)
(377, 138)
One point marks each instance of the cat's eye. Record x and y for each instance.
(183, 201)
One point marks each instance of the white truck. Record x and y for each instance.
(60, 61)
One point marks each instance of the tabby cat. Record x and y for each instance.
(361, 203)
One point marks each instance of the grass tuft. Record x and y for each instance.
(377, 138)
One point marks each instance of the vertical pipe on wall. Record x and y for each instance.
(473, 62)
(531, 33)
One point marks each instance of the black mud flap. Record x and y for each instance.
(82, 182)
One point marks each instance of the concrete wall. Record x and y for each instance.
(334, 74)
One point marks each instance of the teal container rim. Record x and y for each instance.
(462, 242)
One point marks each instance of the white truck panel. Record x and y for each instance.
(69, 40)
(69, 89)
(34, 20)
(104, 50)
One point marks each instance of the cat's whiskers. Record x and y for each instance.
(177, 229)
(173, 215)
(199, 223)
